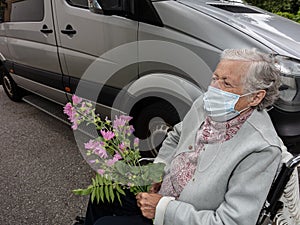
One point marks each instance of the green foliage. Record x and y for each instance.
(102, 189)
(290, 16)
(287, 8)
(290, 6)
(107, 190)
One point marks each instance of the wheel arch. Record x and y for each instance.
(158, 87)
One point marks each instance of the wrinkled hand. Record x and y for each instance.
(155, 187)
(147, 203)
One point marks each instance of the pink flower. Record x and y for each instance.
(100, 152)
(117, 156)
(126, 118)
(91, 145)
(107, 135)
(75, 125)
(97, 147)
(76, 100)
(118, 122)
(121, 121)
(101, 171)
(122, 146)
(130, 130)
(136, 142)
(68, 109)
(112, 161)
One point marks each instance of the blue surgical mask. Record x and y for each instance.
(220, 105)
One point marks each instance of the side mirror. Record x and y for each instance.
(94, 6)
(117, 7)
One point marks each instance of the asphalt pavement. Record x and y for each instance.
(39, 166)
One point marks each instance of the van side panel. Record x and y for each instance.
(32, 47)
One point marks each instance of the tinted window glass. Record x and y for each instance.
(235, 9)
(80, 3)
(24, 10)
(2, 10)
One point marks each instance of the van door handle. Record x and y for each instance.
(46, 30)
(69, 30)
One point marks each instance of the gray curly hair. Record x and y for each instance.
(262, 73)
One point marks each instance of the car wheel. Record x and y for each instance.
(10, 87)
(152, 125)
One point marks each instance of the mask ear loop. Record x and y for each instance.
(243, 110)
(243, 95)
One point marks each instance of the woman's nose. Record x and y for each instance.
(215, 84)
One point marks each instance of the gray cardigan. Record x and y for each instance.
(232, 179)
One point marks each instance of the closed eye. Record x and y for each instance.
(227, 84)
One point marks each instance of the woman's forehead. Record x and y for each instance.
(232, 68)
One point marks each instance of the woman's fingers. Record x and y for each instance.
(147, 203)
(155, 187)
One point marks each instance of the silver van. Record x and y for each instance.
(150, 59)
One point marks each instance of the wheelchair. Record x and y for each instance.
(285, 185)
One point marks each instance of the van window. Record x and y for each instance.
(79, 3)
(24, 11)
(2, 11)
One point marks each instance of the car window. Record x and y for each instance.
(79, 3)
(22, 11)
(2, 10)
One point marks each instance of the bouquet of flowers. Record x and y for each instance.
(114, 154)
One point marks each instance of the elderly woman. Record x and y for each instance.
(222, 158)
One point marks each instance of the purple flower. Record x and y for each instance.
(117, 156)
(107, 135)
(76, 100)
(131, 129)
(68, 109)
(101, 171)
(112, 161)
(136, 142)
(75, 125)
(121, 121)
(91, 144)
(126, 118)
(92, 161)
(97, 147)
(118, 122)
(100, 152)
(122, 146)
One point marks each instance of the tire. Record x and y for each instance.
(14, 92)
(152, 124)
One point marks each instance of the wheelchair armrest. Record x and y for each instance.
(294, 162)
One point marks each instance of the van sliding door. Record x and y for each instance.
(91, 44)
(32, 44)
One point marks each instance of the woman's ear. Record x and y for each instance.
(257, 97)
